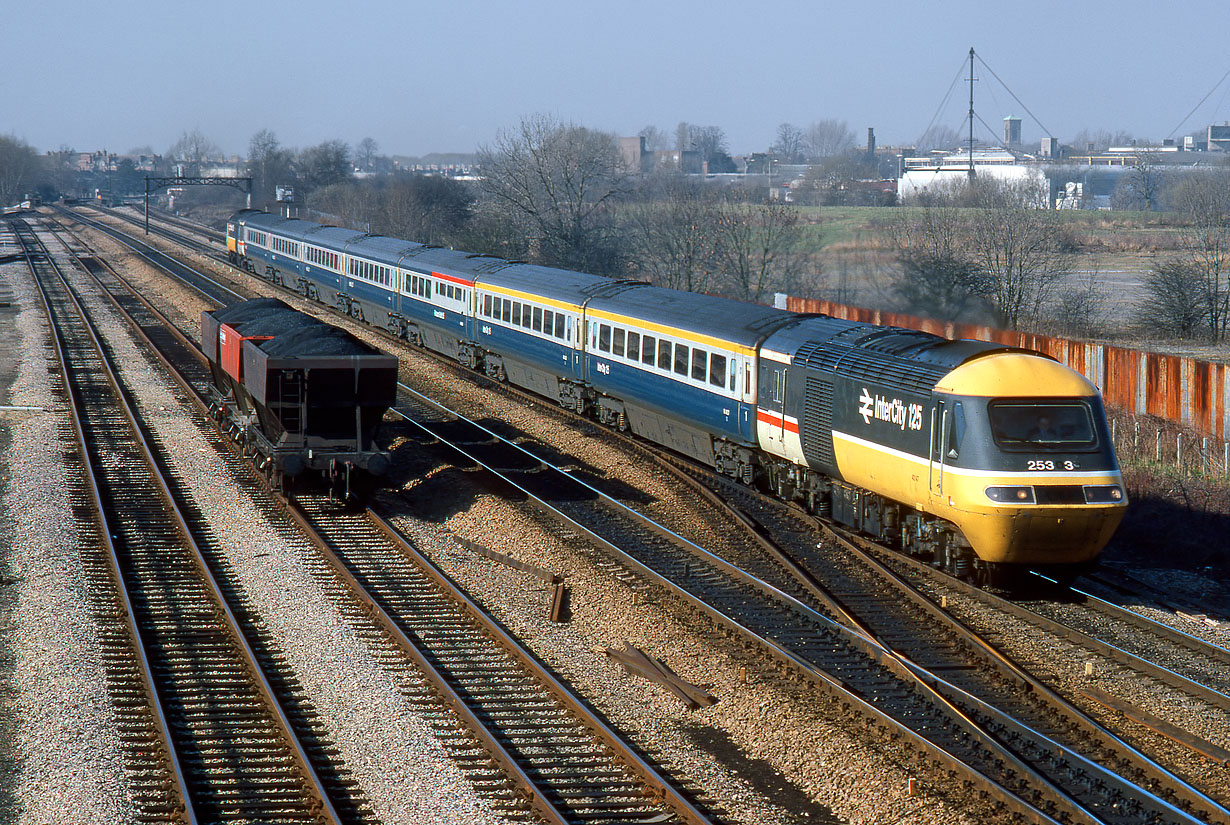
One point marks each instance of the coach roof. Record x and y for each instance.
(739, 322)
(333, 237)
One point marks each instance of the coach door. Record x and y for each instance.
(575, 336)
(773, 387)
(939, 434)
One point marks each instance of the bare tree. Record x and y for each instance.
(365, 153)
(1175, 306)
(20, 169)
(710, 143)
(757, 245)
(269, 164)
(656, 140)
(938, 277)
(675, 235)
(1142, 186)
(557, 181)
(1020, 249)
(826, 138)
(1101, 139)
(193, 148)
(1080, 304)
(789, 143)
(938, 137)
(988, 240)
(426, 208)
(62, 170)
(1204, 199)
(324, 164)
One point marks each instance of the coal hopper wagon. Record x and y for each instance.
(303, 398)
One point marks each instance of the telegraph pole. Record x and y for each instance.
(971, 114)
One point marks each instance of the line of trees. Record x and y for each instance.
(21, 170)
(559, 194)
(1189, 291)
(981, 247)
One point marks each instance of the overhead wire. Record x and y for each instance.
(1014, 97)
(995, 138)
(1198, 105)
(943, 102)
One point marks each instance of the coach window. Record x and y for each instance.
(618, 347)
(548, 321)
(634, 346)
(734, 374)
(700, 361)
(506, 315)
(526, 316)
(487, 305)
(664, 355)
(650, 343)
(681, 359)
(516, 318)
(604, 337)
(956, 429)
(559, 327)
(717, 370)
(537, 324)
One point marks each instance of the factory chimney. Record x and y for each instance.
(871, 142)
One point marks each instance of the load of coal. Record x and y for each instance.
(292, 333)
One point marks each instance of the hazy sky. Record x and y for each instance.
(448, 75)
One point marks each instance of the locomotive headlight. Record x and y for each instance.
(1011, 495)
(1103, 494)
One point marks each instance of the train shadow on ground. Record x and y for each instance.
(760, 775)
(439, 482)
(1164, 534)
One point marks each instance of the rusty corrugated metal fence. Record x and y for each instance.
(1187, 391)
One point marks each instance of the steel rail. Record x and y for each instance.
(90, 478)
(1147, 623)
(1007, 665)
(1180, 788)
(536, 798)
(153, 255)
(230, 621)
(876, 652)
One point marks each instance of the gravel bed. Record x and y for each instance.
(1206, 602)
(59, 750)
(405, 775)
(766, 750)
(1065, 667)
(757, 726)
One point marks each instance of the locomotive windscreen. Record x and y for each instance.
(1042, 425)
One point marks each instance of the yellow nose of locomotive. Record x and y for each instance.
(1047, 488)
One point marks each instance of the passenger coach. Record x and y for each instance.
(976, 456)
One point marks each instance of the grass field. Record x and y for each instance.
(851, 248)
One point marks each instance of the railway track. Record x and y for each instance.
(206, 733)
(173, 228)
(871, 593)
(949, 659)
(557, 759)
(562, 759)
(942, 718)
(1192, 664)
